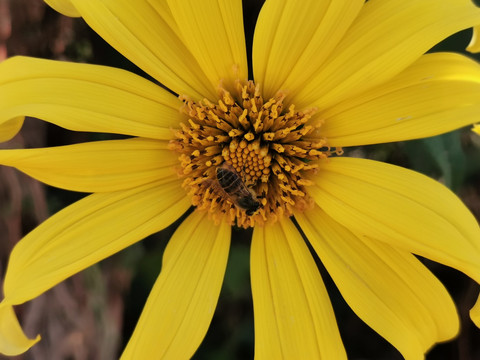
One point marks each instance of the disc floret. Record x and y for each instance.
(270, 147)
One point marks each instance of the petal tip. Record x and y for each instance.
(10, 128)
(475, 313)
(476, 129)
(64, 7)
(474, 45)
(13, 341)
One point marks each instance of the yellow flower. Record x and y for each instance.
(327, 75)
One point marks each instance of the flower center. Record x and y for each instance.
(246, 160)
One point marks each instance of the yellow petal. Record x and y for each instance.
(293, 315)
(10, 128)
(88, 231)
(213, 32)
(475, 313)
(293, 38)
(438, 93)
(181, 304)
(63, 6)
(401, 207)
(385, 38)
(476, 129)
(12, 339)
(84, 97)
(388, 288)
(96, 166)
(146, 34)
(474, 46)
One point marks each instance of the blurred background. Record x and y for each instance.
(92, 314)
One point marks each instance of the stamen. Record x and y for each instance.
(246, 161)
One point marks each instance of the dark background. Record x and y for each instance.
(91, 315)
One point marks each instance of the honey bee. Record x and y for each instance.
(232, 184)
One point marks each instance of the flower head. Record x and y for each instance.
(267, 148)
(254, 153)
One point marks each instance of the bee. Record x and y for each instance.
(232, 184)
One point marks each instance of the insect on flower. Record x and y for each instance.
(252, 139)
(232, 184)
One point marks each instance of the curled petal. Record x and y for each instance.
(183, 299)
(64, 6)
(10, 128)
(476, 129)
(474, 45)
(475, 313)
(12, 339)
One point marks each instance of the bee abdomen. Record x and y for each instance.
(234, 187)
(229, 181)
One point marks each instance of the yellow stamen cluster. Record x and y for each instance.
(266, 146)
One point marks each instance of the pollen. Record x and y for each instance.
(246, 161)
